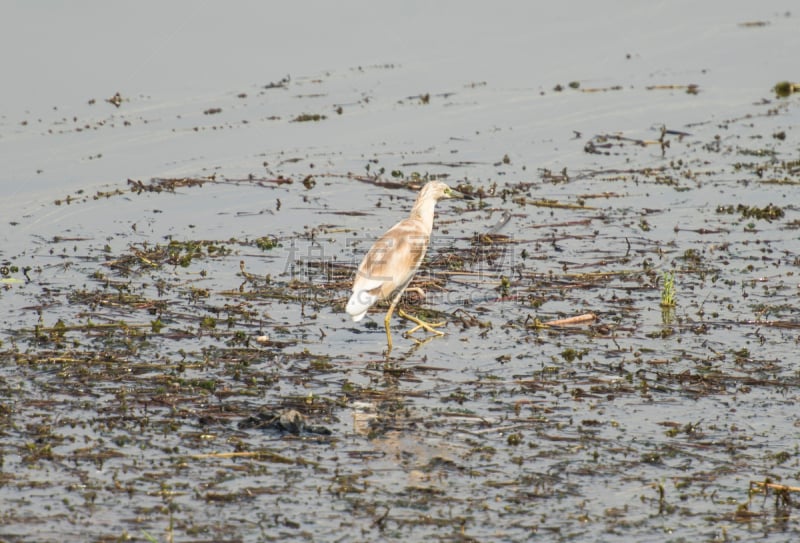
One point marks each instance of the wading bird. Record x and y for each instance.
(393, 260)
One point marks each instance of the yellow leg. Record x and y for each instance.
(429, 326)
(386, 325)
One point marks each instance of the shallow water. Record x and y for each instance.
(130, 354)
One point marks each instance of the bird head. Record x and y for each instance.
(436, 190)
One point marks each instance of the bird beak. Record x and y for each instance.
(460, 195)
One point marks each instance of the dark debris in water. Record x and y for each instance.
(210, 388)
(769, 212)
(288, 420)
(306, 117)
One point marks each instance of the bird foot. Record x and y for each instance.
(428, 326)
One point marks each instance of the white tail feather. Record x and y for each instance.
(359, 303)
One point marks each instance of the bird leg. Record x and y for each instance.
(386, 323)
(429, 326)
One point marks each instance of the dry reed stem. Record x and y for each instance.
(578, 319)
(774, 486)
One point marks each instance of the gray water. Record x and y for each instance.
(133, 344)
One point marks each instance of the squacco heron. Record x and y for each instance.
(391, 263)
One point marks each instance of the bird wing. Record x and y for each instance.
(388, 266)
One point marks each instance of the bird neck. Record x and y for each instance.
(423, 211)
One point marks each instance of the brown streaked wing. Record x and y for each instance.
(395, 257)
